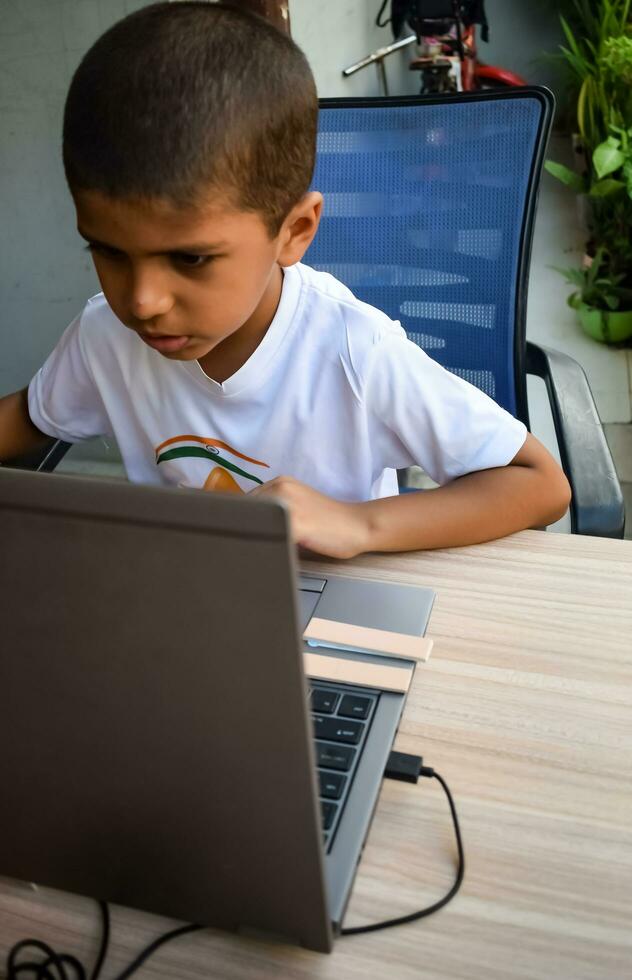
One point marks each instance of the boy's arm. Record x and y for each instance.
(531, 491)
(18, 435)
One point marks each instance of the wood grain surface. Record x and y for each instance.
(525, 708)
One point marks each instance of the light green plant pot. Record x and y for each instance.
(607, 327)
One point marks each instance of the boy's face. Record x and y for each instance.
(187, 280)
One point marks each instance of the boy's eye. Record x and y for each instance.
(191, 261)
(187, 259)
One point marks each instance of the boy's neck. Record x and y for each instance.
(231, 354)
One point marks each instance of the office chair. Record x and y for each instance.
(428, 215)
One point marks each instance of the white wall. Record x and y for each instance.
(45, 276)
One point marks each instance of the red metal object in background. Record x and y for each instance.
(446, 37)
(479, 75)
(474, 74)
(496, 77)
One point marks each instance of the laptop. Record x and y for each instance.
(169, 740)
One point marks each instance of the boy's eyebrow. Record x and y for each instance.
(193, 248)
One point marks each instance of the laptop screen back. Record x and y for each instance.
(157, 749)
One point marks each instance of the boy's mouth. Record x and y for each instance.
(164, 343)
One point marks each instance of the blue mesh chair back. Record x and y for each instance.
(428, 216)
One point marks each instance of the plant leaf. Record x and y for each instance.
(603, 188)
(607, 157)
(567, 176)
(572, 43)
(575, 276)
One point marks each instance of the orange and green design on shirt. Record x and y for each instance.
(215, 451)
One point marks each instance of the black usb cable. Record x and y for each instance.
(409, 768)
(57, 966)
(63, 966)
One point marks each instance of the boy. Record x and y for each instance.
(213, 356)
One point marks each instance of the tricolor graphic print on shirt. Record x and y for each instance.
(197, 454)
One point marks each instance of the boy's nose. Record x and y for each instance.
(148, 308)
(149, 298)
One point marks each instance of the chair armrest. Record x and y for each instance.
(44, 460)
(597, 506)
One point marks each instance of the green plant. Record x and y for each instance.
(598, 68)
(597, 286)
(608, 282)
(599, 55)
(611, 156)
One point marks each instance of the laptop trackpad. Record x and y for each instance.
(389, 606)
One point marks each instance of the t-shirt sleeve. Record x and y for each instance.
(64, 401)
(423, 414)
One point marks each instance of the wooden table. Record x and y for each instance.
(525, 707)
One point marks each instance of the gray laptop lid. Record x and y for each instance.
(114, 785)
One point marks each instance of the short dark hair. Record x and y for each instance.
(180, 98)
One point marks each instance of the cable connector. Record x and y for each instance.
(407, 768)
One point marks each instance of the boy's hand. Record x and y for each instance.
(319, 523)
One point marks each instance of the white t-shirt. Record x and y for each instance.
(335, 396)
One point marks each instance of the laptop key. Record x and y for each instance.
(328, 812)
(336, 730)
(323, 700)
(354, 706)
(331, 784)
(338, 757)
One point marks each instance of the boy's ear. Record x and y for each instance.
(299, 228)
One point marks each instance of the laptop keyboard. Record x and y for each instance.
(341, 718)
